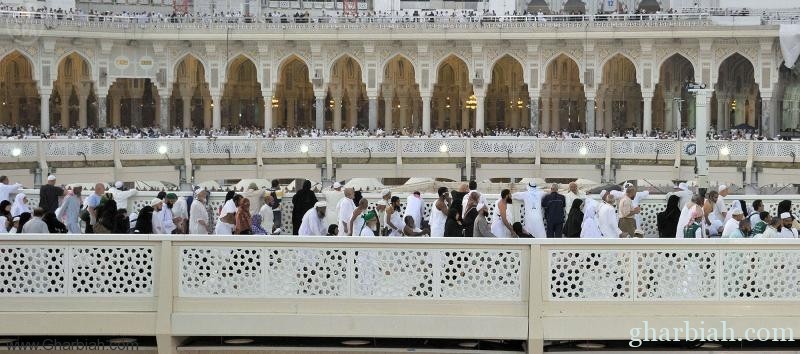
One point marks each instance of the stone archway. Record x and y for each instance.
(74, 101)
(736, 98)
(672, 103)
(190, 95)
(451, 96)
(19, 96)
(621, 96)
(507, 96)
(242, 102)
(134, 103)
(563, 98)
(400, 93)
(293, 104)
(348, 92)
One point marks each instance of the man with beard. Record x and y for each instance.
(158, 218)
(303, 201)
(167, 217)
(344, 211)
(313, 221)
(198, 220)
(48, 195)
(394, 221)
(503, 216)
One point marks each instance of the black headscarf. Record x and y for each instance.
(144, 223)
(667, 220)
(572, 228)
(785, 206)
(53, 225)
(302, 201)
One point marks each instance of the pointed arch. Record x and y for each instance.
(290, 59)
(239, 59)
(293, 100)
(677, 53)
(558, 56)
(192, 55)
(507, 95)
(80, 53)
(444, 60)
(618, 55)
(505, 55)
(395, 56)
(242, 101)
(340, 58)
(26, 56)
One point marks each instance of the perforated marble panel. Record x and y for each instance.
(676, 275)
(221, 271)
(393, 273)
(432, 146)
(761, 275)
(112, 270)
(237, 147)
(32, 270)
(69, 148)
(307, 272)
(27, 148)
(590, 275)
(359, 146)
(292, 146)
(492, 146)
(481, 274)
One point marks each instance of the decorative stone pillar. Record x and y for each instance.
(533, 119)
(608, 125)
(116, 106)
(454, 118)
(291, 107)
(591, 126)
(647, 119)
(479, 112)
(426, 113)
(207, 112)
(82, 121)
(102, 111)
(405, 109)
(352, 112)
(186, 113)
(337, 113)
(216, 109)
(767, 125)
(546, 114)
(267, 112)
(721, 111)
(44, 110)
(669, 118)
(319, 111)
(64, 108)
(373, 112)
(163, 117)
(387, 112)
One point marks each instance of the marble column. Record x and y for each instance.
(337, 113)
(534, 114)
(268, 113)
(405, 108)
(163, 117)
(590, 122)
(546, 114)
(440, 114)
(186, 112)
(647, 121)
(426, 114)
(465, 117)
(44, 110)
(707, 110)
(319, 111)
(116, 106)
(373, 112)
(65, 111)
(454, 118)
(352, 112)
(721, 112)
(102, 111)
(387, 113)
(291, 107)
(216, 109)
(480, 123)
(82, 121)
(669, 118)
(207, 113)
(767, 124)
(609, 116)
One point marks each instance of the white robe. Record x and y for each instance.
(332, 198)
(609, 223)
(414, 207)
(683, 220)
(590, 227)
(121, 197)
(438, 219)
(730, 226)
(312, 224)
(499, 228)
(344, 211)
(532, 204)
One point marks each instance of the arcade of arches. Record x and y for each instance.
(618, 103)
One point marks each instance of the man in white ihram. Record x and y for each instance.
(532, 204)
(332, 198)
(414, 205)
(607, 217)
(344, 211)
(313, 223)
(121, 195)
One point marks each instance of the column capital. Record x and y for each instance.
(534, 94)
(45, 91)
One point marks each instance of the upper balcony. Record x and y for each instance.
(607, 26)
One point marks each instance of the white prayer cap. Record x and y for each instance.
(683, 186)
(786, 215)
(51, 178)
(320, 204)
(722, 188)
(737, 211)
(531, 186)
(118, 184)
(385, 192)
(381, 202)
(337, 185)
(155, 202)
(603, 193)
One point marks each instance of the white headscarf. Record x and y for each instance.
(19, 205)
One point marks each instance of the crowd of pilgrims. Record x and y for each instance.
(118, 132)
(463, 212)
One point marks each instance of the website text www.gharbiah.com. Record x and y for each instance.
(711, 332)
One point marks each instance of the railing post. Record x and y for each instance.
(536, 289)
(165, 291)
(468, 159)
(260, 156)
